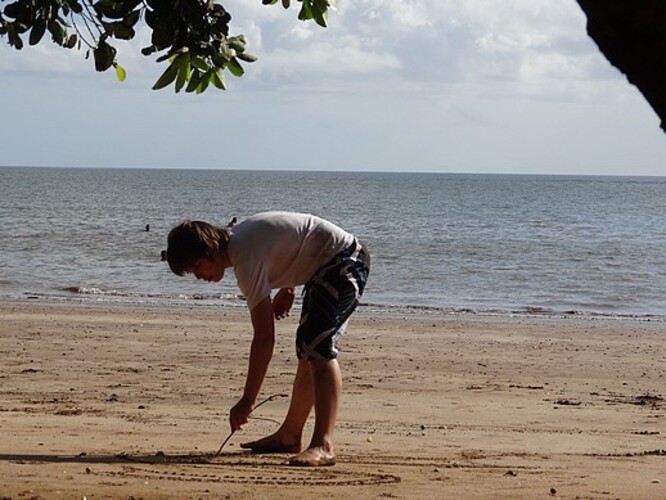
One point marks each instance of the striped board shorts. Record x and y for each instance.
(329, 299)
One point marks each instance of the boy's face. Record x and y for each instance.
(208, 269)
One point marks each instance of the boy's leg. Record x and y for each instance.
(287, 439)
(327, 381)
(330, 298)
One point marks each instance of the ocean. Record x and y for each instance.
(440, 243)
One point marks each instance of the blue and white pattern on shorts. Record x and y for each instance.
(330, 298)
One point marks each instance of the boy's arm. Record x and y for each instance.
(261, 353)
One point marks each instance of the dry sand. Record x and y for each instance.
(110, 401)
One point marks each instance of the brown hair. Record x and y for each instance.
(191, 241)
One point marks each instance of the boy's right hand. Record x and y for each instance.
(240, 413)
(282, 302)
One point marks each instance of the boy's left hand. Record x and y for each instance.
(239, 414)
(282, 302)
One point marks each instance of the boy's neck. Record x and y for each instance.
(223, 258)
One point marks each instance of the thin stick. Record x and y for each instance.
(269, 398)
(223, 443)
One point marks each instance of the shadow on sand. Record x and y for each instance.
(120, 458)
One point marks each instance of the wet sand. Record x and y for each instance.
(113, 401)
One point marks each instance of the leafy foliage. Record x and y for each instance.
(310, 9)
(191, 35)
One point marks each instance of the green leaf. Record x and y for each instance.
(217, 79)
(71, 41)
(183, 76)
(203, 84)
(235, 68)
(322, 20)
(14, 9)
(246, 57)
(57, 32)
(37, 32)
(75, 6)
(121, 74)
(237, 43)
(104, 55)
(14, 39)
(167, 77)
(306, 11)
(114, 9)
(118, 29)
(151, 49)
(163, 36)
(195, 80)
(133, 18)
(285, 4)
(181, 59)
(226, 52)
(320, 12)
(199, 63)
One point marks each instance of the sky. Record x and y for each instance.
(473, 86)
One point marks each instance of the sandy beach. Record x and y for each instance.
(116, 401)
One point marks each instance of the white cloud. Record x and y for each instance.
(471, 79)
(43, 59)
(409, 14)
(421, 43)
(342, 58)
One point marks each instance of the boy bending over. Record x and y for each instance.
(283, 250)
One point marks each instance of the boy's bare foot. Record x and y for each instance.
(316, 456)
(272, 444)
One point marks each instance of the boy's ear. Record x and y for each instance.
(163, 255)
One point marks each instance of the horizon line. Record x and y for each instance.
(341, 171)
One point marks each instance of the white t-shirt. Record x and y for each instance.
(281, 249)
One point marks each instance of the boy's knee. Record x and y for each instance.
(322, 366)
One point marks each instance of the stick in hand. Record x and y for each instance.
(270, 398)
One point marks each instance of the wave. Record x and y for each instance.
(85, 294)
(82, 290)
(523, 312)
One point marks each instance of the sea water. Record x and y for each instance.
(494, 244)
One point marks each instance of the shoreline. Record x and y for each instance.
(110, 401)
(364, 309)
